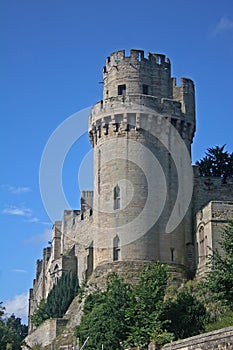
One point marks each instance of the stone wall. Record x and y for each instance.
(45, 333)
(221, 339)
(210, 222)
(208, 189)
(70, 251)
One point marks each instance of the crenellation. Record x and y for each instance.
(86, 200)
(135, 74)
(38, 268)
(136, 56)
(56, 240)
(46, 254)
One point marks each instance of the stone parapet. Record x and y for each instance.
(45, 333)
(222, 339)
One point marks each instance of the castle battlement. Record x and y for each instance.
(137, 74)
(137, 56)
(127, 117)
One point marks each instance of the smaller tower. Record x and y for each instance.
(56, 240)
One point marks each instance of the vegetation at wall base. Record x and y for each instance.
(133, 316)
(224, 320)
(216, 290)
(58, 300)
(220, 278)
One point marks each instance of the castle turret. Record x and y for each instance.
(136, 131)
(56, 240)
(137, 75)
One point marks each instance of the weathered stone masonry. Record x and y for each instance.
(139, 96)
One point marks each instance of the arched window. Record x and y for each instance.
(56, 268)
(117, 197)
(201, 243)
(116, 248)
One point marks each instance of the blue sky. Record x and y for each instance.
(52, 54)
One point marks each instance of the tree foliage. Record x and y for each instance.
(58, 300)
(186, 314)
(217, 162)
(133, 316)
(105, 315)
(220, 278)
(12, 332)
(146, 323)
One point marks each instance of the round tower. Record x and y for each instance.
(141, 133)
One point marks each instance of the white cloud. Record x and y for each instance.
(224, 24)
(23, 211)
(33, 220)
(37, 221)
(19, 270)
(19, 211)
(18, 306)
(43, 237)
(46, 223)
(17, 190)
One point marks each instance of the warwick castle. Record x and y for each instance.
(149, 203)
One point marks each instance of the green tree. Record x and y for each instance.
(58, 300)
(12, 332)
(146, 324)
(40, 315)
(217, 162)
(126, 314)
(220, 278)
(16, 332)
(104, 319)
(186, 314)
(133, 316)
(2, 328)
(61, 295)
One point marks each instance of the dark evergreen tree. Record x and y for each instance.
(58, 300)
(217, 162)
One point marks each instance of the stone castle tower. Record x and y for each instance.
(133, 134)
(148, 204)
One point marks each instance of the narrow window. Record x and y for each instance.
(122, 89)
(117, 198)
(90, 259)
(145, 89)
(99, 163)
(116, 248)
(172, 254)
(201, 243)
